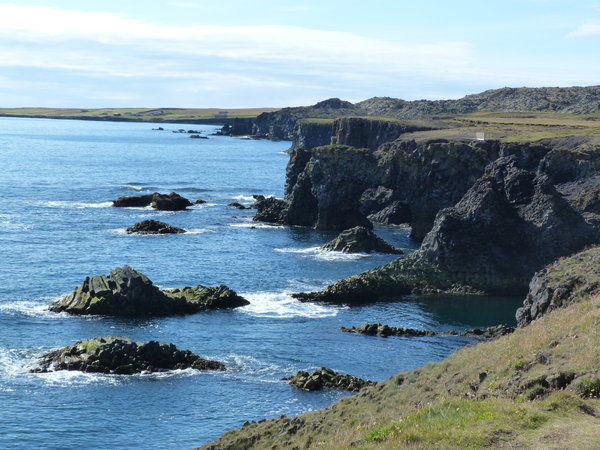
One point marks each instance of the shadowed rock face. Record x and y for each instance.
(153, 227)
(557, 285)
(126, 292)
(327, 378)
(360, 240)
(508, 225)
(120, 355)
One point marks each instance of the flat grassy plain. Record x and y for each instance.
(136, 114)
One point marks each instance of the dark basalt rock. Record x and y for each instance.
(197, 136)
(170, 202)
(327, 378)
(270, 210)
(199, 202)
(163, 202)
(559, 284)
(120, 355)
(377, 329)
(133, 201)
(237, 205)
(257, 198)
(360, 240)
(126, 292)
(153, 227)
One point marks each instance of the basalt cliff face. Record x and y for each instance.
(492, 213)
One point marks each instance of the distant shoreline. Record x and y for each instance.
(219, 121)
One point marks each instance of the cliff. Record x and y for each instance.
(526, 208)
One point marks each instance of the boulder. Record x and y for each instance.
(559, 284)
(170, 202)
(126, 292)
(327, 378)
(153, 227)
(237, 205)
(120, 355)
(360, 240)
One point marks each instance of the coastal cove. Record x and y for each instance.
(57, 226)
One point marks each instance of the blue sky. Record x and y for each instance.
(198, 53)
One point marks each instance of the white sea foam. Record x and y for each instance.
(244, 198)
(75, 205)
(326, 255)
(8, 223)
(283, 305)
(31, 308)
(257, 225)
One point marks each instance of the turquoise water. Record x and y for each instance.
(57, 179)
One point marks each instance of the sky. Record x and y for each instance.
(275, 53)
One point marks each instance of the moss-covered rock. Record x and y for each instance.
(126, 292)
(120, 355)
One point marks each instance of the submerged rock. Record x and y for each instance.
(377, 329)
(163, 202)
(558, 285)
(120, 355)
(126, 292)
(360, 240)
(327, 378)
(237, 205)
(154, 227)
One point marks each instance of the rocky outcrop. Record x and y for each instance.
(270, 210)
(163, 202)
(153, 227)
(508, 225)
(133, 201)
(377, 329)
(170, 202)
(327, 378)
(360, 240)
(237, 205)
(120, 355)
(560, 284)
(126, 292)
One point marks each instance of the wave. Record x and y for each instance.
(139, 187)
(283, 305)
(72, 204)
(7, 223)
(244, 198)
(250, 224)
(325, 255)
(37, 308)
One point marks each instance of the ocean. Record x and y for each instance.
(57, 226)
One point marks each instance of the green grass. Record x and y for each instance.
(135, 114)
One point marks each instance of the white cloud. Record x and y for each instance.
(61, 29)
(591, 28)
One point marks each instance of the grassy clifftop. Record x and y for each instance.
(536, 388)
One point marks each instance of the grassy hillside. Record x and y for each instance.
(536, 388)
(136, 114)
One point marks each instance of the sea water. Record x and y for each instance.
(57, 226)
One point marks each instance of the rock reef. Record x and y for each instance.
(377, 329)
(153, 227)
(327, 378)
(122, 356)
(126, 292)
(162, 202)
